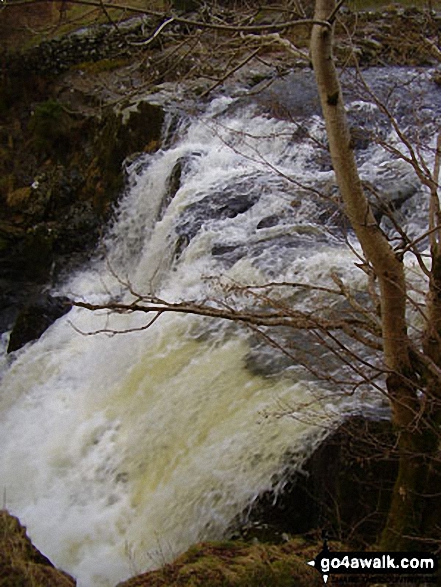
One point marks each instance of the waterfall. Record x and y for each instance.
(121, 450)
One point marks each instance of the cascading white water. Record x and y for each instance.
(118, 452)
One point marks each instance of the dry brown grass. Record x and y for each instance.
(21, 564)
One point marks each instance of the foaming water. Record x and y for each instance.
(138, 444)
(120, 451)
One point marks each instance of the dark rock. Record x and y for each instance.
(173, 185)
(52, 209)
(360, 139)
(219, 250)
(21, 564)
(29, 258)
(119, 136)
(269, 221)
(344, 487)
(12, 296)
(388, 198)
(330, 214)
(35, 318)
(214, 207)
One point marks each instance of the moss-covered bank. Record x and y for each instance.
(21, 564)
(235, 564)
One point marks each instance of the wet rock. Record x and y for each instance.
(214, 207)
(123, 133)
(269, 221)
(219, 250)
(360, 139)
(173, 184)
(21, 564)
(388, 198)
(295, 95)
(35, 318)
(344, 488)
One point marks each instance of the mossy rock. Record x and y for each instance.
(51, 127)
(233, 564)
(21, 564)
(19, 197)
(120, 136)
(35, 318)
(124, 135)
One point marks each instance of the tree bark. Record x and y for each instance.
(415, 443)
(387, 267)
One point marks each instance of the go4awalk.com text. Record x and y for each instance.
(396, 564)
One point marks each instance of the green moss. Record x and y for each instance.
(233, 564)
(50, 125)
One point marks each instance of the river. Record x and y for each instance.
(119, 451)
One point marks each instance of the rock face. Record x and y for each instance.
(59, 182)
(35, 318)
(21, 564)
(343, 489)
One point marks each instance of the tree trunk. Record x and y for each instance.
(406, 511)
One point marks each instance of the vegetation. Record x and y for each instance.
(235, 564)
(50, 126)
(21, 564)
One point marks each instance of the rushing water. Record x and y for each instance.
(118, 452)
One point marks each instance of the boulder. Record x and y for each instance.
(21, 564)
(173, 185)
(35, 318)
(344, 488)
(217, 206)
